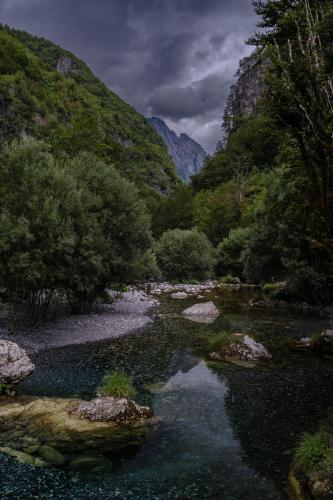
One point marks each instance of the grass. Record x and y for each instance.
(6, 389)
(118, 385)
(228, 279)
(219, 341)
(311, 450)
(271, 287)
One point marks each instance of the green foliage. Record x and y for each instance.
(228, 280)
(219, 341)
(266, 196)
(311, 450)
(252, 145)
(71, 226)
(230, 251)
(74, 111)
(118, 385)
(7, 389)
(217, 212)
(174, 211)
(185, 255)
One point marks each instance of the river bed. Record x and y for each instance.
(226, 432)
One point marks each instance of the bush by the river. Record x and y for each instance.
(67, 228)
(185, 254)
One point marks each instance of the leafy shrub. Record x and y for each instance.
(311, 450)
(118, 385)
(271, 287)
(230, 251)
(146, 268)
(185, 255)
(229, 280)
(72, 226)
(219, 341)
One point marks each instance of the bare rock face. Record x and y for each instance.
(250, 85)
(15, 365)
(186, 153)
(66, 65)
(205, 312)
(110, 409)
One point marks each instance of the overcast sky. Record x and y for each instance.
(169, 58)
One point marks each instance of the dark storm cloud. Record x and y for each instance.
(199, 98)
(173, 58)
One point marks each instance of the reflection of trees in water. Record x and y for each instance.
(269, 408)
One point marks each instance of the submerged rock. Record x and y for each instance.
(15, 364)
(51, 455)
(205, 312)
(242, 349)
(90, 464)
(110, 409)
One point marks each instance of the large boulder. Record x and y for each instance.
(205, 312)
(15, 365)
(110, 409)
(242, 349)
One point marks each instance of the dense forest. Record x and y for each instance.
(265, 198)
(89, 196)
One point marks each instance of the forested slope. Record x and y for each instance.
(48, 93)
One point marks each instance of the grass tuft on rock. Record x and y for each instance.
(117, 384)
(228, 280)
(312, 449)
(220, 341)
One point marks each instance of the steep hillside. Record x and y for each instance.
(186, 153)
(49, 93)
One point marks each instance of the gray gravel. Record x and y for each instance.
(127, 314)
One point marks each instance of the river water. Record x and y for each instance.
(226, 432)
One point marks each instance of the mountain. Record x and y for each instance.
(186, 153)
(48, 93)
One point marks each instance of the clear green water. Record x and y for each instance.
(227, 432)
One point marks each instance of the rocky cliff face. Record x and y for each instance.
(248, 89)
(186, 153)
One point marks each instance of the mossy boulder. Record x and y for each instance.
(51, 455)
(241, 349)
(311, 476)
(321, 343)
(57, 430)
(90, 464)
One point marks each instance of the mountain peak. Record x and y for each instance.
(186, 153)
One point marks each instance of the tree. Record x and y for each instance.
(174, 211)
(299, 39)
(185, 255)
(68, 227)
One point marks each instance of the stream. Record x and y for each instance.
(226, 432)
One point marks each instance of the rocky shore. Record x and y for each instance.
(129, 313)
